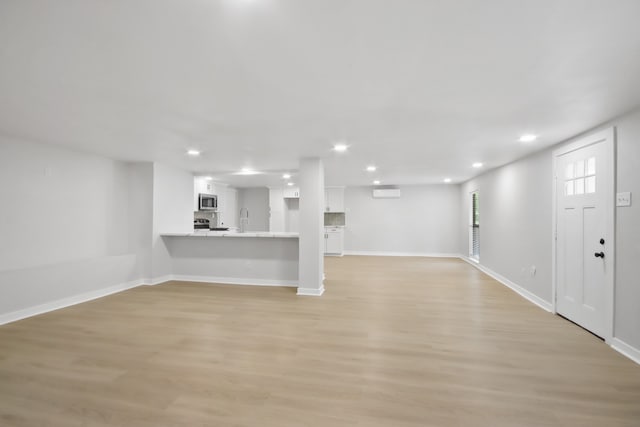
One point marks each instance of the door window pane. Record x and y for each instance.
(591, 166)
(569, 172)
(579, 186)
(568, 188)
(579, 168)
(591, 185)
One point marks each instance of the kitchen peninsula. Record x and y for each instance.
(251, 258)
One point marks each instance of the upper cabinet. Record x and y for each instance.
(202, 185)
(291, 193)
(334, 199)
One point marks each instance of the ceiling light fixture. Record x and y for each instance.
(193, 153)
(447, 180)
(376, 182)
(247, 171)
(528, 138)
(286, 176)
(477, 165)
(208, 178)
(290, 184)
(371, 168)
(340, 148)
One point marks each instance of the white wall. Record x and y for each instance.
(311, 242)
(141, 214)
(257, 201)
(627, 297)
(292, 215)
(245, 260)
(515, 224)
(65, 225)
(277, 210)
(172, 213)
(424, 220)
(230, 215)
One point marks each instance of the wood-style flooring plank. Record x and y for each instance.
(401, 342)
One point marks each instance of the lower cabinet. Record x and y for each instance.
(333, 241)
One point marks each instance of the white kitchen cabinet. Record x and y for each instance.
(334, 199)
(220, 190)
(291, 193)
(200, 185)
(333, 241)
(227, 214)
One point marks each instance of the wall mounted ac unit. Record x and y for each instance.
(386, 193)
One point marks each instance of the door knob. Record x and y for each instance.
(602, 241)
(599, 254)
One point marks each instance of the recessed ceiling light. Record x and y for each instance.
(290, 184)
(447, 180)
(247, 171)
(477, 165)
(208, 178)
(340, 148)
(286, 176)
(193, 152)
(528, 138)
(371, 168)
(376, 182)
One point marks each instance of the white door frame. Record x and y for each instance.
(608, 137)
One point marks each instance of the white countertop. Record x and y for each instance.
(205, 233)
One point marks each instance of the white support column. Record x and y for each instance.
(311, 247)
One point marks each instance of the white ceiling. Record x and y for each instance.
(420, 88)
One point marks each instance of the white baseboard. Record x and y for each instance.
(418, 254)
(311, 292)
(88, 296)
(67, 302)
(545, 305)
(158, 280)
(626, 349)
(228, 280)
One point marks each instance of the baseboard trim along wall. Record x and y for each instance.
(67, 302)
(310, 292)
(545, 305)
(617, 344)
(625, 349)
(417, 254)
(226, 281)
(89, 296)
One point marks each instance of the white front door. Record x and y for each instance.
(584, 245)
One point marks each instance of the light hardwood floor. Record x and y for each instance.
(393, 342)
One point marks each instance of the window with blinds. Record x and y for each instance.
(474, 245)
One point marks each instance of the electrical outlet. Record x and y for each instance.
(623, 199)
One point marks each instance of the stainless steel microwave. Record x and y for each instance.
(207, 202)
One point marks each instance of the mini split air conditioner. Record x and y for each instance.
(386, 193)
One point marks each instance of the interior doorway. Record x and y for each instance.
(474, 227)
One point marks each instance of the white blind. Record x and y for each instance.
(475, 226)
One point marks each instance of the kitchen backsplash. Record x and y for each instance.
(334, 218)
(211, 216)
